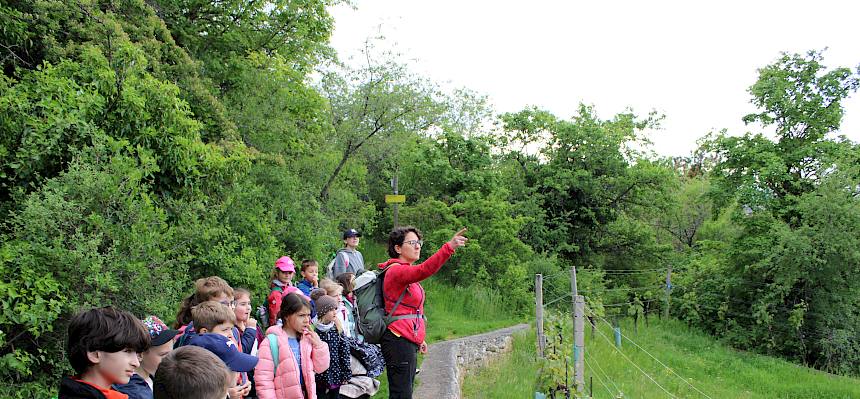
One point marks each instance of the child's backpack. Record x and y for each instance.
(370, 304)
(329, 269)
(263, 311)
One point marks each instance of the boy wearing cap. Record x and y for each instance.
(214, 323)
(140, 384)
(103, 347)
(348, 259)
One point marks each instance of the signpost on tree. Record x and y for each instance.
(395, 199)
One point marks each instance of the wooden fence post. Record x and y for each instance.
(541, 341)
(579, 342)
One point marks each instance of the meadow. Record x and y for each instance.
(686, 363)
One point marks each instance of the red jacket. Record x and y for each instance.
(276, 297)
(406, 276)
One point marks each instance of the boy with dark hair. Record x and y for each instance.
(310, 276)
(103, 347)
(191, 372)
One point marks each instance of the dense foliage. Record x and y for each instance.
(144, 144)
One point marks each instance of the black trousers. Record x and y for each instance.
(323, 392)
(401, 360)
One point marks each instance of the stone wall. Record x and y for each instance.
(446, 362)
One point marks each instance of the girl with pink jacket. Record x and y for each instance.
(300, 354)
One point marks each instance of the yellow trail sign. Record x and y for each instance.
(395, 199)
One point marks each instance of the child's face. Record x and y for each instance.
(225, 329)
(285, 277)
(150, 359)
(328, 317)
(243, 308)
(114, 367)
(311, 273)
(299, 321)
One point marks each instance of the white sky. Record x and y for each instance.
(691, 60)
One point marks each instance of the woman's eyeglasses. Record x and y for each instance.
(231, 304)
(415, 243)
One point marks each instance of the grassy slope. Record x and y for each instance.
(452, 312)
(718, 371)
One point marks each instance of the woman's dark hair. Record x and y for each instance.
(345, 281)
(397, 236)
(293, 303)
(103, 329)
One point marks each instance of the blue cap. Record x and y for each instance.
(226, 350)
(351, 233)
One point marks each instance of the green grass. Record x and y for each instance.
(452, 312)
(512, 376)
(710, 367)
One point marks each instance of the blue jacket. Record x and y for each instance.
(137, 388)
(306, 287)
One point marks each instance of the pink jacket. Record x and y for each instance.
(285, 385)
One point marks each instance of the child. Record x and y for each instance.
(316, 293)
(214, 324)
(310, 279)
(191, 372)
(246, 334)
(103, 348)
(205, 289)
(335, 291)
(140, 384)
(300, 354)
(282, 284)
(347, 282)
(339, 371)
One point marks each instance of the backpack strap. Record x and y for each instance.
(273, 346)
(396, 304)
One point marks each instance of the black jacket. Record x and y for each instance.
(71, 389)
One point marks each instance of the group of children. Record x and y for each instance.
(310, 350)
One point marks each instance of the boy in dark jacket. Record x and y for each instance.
(103, 347)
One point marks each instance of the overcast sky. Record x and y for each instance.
(692, 61)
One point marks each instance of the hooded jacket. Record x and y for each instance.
(285, 384)
(354, 258)
(405, 276)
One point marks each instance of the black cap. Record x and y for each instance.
(351, 233)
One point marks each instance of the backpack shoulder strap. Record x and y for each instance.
(399, 299)
(273, 346)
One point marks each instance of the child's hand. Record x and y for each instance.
(251, 323)
(423, 347)
(313, 336)
(239, 391)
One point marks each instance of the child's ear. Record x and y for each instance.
(202, 330)
(94, 357)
